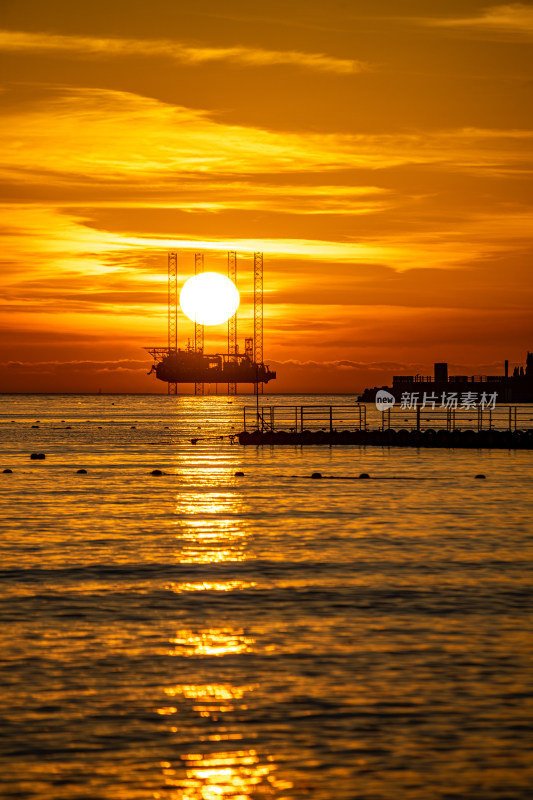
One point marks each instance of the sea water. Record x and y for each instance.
(204, 636)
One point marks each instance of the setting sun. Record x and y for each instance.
(209, 298)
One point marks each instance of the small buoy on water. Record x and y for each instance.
(133, 428)
(68, 428)
(35, 426)
(81, 472)
(193, 441)
(316, 475)
(37, 456)
(364, 475)
(8, 471)
(239, 474)
(481, 477)
(157, 472)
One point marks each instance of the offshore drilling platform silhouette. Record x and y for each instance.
(191, 365)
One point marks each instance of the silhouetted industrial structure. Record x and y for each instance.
(198, 329)
(233, 348)
(176, 365)
(517, 388)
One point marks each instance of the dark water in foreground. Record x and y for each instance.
(200, 636)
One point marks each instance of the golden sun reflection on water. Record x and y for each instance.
(206, 502)
(237, 774)
(212, 642)
(209, 529)
(210, 586)
(209, 692)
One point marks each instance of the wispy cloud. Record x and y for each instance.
(247, 196)
(67, 243)
(55, 367)
(512, 21)
(22, 41)
(113, 137)
(347, 364)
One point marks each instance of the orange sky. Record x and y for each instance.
(378, 154)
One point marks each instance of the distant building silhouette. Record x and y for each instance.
(515, 389)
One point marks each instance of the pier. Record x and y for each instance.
(509, 427)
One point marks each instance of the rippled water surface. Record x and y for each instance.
(202, 636)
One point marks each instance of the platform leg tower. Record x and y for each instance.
(198, 329)
(172, 310)
(258, 315)
(232, 321)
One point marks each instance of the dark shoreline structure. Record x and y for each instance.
(515, 388)
(504, 427)
(508, 440)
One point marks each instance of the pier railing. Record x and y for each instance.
(298, 419)
(353, 417)
(503, 418)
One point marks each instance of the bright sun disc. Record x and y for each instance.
(209, 298)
